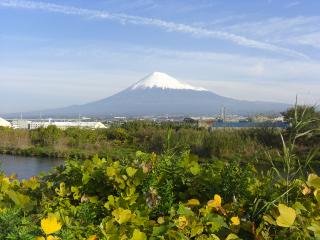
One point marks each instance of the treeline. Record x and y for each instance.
(147, 136)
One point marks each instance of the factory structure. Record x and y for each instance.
(4, 123)
(62, 124)
(239, 122)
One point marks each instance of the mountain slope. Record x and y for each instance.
(160, 94)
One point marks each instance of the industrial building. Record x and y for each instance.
(4, 123)
(65, 125)
(28, 124)
(20, 124)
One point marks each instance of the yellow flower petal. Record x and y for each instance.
(50, 237)
(216, 202)
(306, 190)
(287, 216)
(40, 238)
(50, 224)
(182, 222)
(161, 220)
(193, 202)
(145, 169)
(235, 221)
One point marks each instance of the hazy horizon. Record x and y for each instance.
(57, 53)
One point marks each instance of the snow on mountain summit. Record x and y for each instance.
(163, 81)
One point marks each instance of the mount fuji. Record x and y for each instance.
(160, 94)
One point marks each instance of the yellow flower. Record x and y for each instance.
(145, 169)
(161, 220)
(50, 237)
(182, 222)
(235, 221)
(287, 216)
(40, 238)
(193, 202)
(216, 202)
(50, 224)
(306, 190)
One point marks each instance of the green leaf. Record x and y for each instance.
(139, 153)
(316, 194)
(299, 207)
(195, 168)
(33, 183)
(138, 235)
(131, 171)
(85, 178)
(232, 236)
(315, 227)
(313, 181)
(216, 222)
(122, 215)
(20, 200)
(269, 220)
(214, 237)
(110, 203)
(159, 231)
(61, 191)
(76, 192)
(196, 230)
(111, 171)
(185, 211)
(93, 199)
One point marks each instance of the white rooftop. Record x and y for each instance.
(4, 123)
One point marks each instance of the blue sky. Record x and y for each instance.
(63, 52)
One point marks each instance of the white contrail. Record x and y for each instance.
(166, 25)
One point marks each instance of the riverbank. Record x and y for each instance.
(120, 142)
(82, 154)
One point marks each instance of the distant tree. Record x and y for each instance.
(46, 136)
(308, 116)
(304, 125)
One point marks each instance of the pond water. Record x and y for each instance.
(25, 167)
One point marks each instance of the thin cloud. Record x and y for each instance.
(301, 30)
(312, 39)
(272, 26)
(293, 4)
(166, 25)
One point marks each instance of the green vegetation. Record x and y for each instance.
(185, 184)
(120, 141)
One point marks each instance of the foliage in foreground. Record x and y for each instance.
(158, 197)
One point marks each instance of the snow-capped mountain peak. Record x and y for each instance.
(163, 81)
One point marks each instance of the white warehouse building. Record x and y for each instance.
(20, 124)
(66, 124)
(28, 124)
(4, 123)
